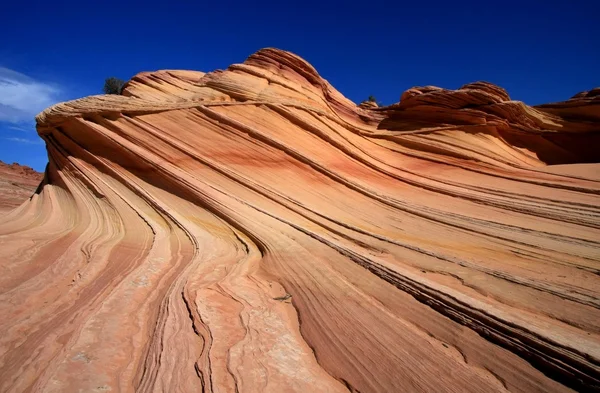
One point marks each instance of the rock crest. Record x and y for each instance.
(251, 229)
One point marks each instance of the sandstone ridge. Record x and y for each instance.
(251, 229)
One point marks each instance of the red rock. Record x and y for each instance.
(253, 230)
(17, 183)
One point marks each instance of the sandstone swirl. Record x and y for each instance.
(252, 230)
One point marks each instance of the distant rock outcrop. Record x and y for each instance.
(457, 121)
(253, 230)
(368, 105)
(17, 183)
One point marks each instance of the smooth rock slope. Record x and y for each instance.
(252, 230)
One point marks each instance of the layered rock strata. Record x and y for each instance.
(252, 230)
(17, 183)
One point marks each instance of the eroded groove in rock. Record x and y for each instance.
(253, 230)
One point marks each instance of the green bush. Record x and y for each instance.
(113, 85)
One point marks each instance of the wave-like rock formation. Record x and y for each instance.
(252, 230)
(17, 183)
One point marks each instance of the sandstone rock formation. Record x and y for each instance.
(17, 183)
(252, 230)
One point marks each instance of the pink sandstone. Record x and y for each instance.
(252, 230)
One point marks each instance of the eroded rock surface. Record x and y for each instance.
(17, 183)
(253, 230)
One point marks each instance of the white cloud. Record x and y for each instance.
(21, 128)
(21, 97)
(28, 141)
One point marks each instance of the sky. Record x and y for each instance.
(52, 51)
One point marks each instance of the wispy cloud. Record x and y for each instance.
(21, 128)
(28, 141)
(22, 97)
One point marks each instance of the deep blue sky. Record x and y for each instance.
(58, 50)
